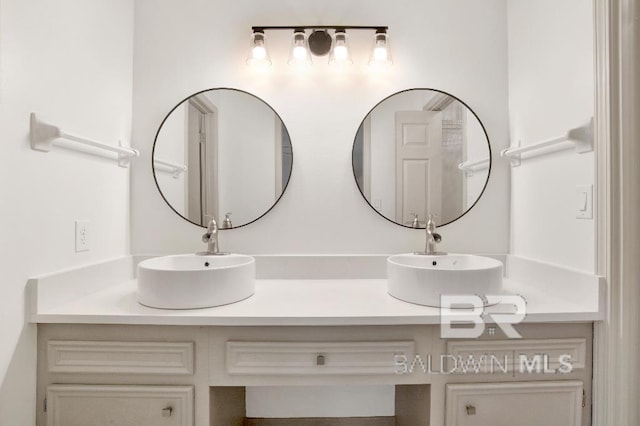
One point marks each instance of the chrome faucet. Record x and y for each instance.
(432, 239)
(211, 238)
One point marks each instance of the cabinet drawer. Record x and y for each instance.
(112, 357)
(89, 405)
(315, 358)
(557, 403)
(522, 355)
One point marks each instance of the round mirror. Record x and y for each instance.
(223, 154)
(421, 152)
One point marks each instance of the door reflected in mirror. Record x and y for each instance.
(421, 152)
(222, 153)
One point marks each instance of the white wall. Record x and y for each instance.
(320, 401)
(550, 91)
(170, 146)
(246, 149)
(183, 46)
(71, 62)
(475, 149)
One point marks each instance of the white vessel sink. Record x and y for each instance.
(190, 281)
(422, 279)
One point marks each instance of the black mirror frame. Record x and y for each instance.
(153, 168)
(485, 134)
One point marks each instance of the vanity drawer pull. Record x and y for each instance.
(320, 360)
(167, 411)
(471, 410)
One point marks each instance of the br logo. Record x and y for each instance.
(465, 316)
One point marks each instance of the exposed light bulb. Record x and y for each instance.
(300, 52)
(341, 53)
(258, 56)
(259, 53)
(380, 54)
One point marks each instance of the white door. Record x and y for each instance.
(418, 164)
(105, 405)
(195, 151)
(201, 155)
(544, 403)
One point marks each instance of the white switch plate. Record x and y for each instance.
(584, 201)
(82, 235)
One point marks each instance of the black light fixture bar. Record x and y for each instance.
(319, 27)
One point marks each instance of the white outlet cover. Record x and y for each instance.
(82, 235)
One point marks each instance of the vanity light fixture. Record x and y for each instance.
(258, 54)
(319, 43)
(340, 51)
(381, 51)
(299, 54)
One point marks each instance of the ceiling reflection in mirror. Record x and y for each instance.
(421, 152)
(223, 154)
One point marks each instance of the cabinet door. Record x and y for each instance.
(98, 405)
(557, 403)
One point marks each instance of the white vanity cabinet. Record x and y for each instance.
(105, 359)
(198, 375)
(544, 378)
(135, 405)
(99, 375)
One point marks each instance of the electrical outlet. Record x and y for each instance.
(82, 235)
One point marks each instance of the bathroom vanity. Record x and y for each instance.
(127, 348)
(313, 320)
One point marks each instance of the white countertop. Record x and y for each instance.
(63, 298)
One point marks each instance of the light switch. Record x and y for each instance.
(584, 201)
